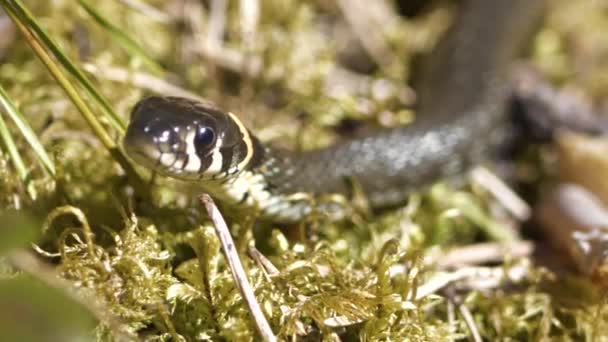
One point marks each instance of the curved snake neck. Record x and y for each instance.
(461, 109)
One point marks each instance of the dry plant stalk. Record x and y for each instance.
(236, 268)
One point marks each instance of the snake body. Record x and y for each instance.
(461, 112)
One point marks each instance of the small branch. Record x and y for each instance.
(236, 268)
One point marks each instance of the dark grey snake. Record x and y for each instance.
(462, 97)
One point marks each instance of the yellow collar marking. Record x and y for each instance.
(248, 142)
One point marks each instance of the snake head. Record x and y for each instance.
(186, 139)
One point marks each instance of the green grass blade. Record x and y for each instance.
(9, 143)
(123, 39)
(26, 131)
(86, 112)
(71, 67)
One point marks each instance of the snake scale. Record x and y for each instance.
(460, 117)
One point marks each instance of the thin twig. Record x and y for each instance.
(369, 20)
(469, 321)
(482, 253)
(451, 314)
(141, 80)
(236, 268)
(261, 259)
(217, 23)
(507, 197)
(231, 59)
(474, 277)
(250, 14)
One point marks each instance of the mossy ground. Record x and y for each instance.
(154, 273)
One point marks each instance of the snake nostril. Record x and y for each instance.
(139, 145)
(167, 140)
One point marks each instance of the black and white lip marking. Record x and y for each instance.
(176, 158)
(183, 139)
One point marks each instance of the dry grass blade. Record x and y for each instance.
(123, 39)
(475, 277)
(142, 80)
(482, 253)
(148, 10)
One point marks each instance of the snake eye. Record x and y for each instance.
(204, 137)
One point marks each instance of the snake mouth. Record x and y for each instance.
(141, 148)
(146, 153)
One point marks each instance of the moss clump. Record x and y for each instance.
(154, 266)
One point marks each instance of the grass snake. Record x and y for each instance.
(461, 113)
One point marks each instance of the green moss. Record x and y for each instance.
(151, 268)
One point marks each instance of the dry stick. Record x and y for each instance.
(465, 313)
(469, 321)
(236, 268)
